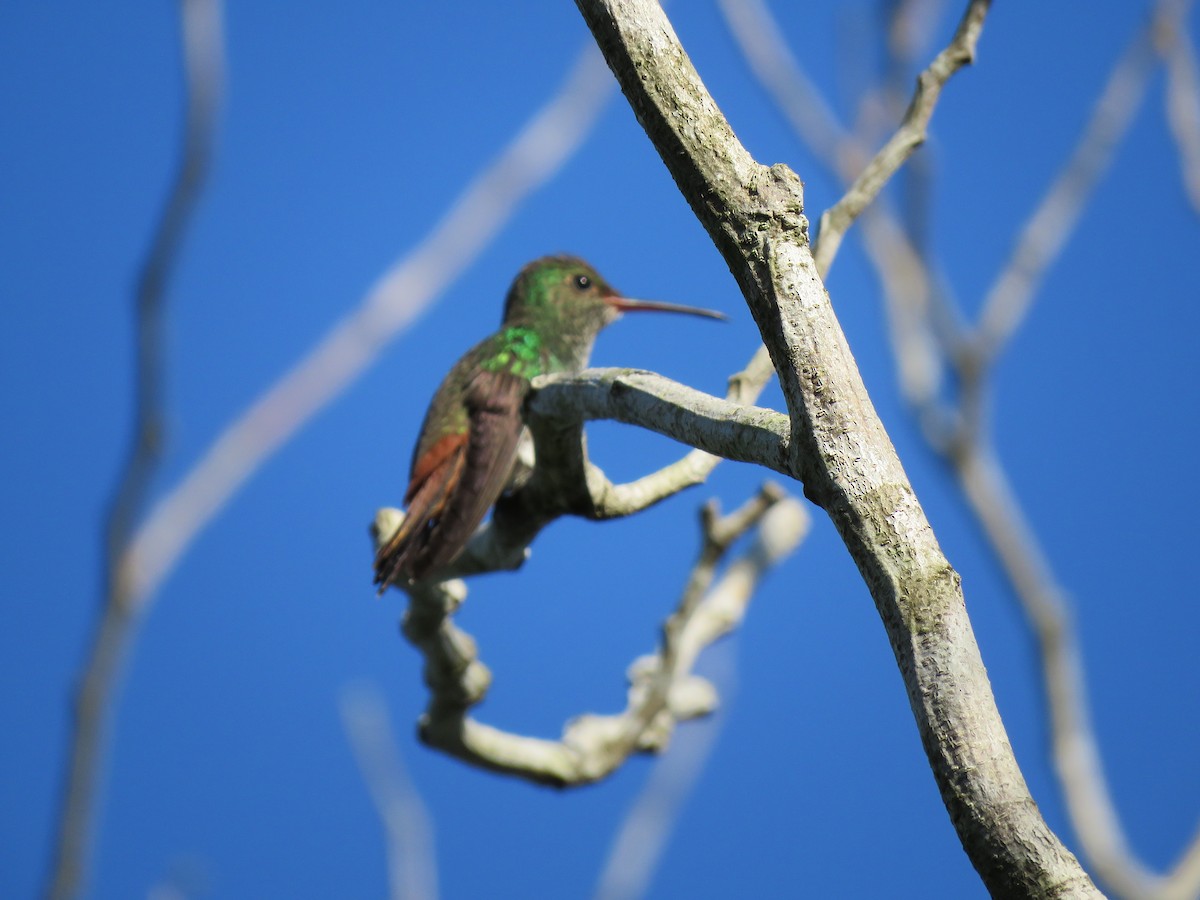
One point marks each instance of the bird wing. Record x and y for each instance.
(456, 481)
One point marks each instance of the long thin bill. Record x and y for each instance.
(628, 304)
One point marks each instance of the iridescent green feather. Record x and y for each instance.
(517, 350)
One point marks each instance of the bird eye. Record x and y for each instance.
(582, 282)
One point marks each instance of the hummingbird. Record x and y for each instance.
(467, 446)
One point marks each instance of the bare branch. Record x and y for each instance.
(907, 138)
(908, 291)
(755, 217)
(203, 59)
(663, 690)
(1076, 755)
(610, 500)
(617, 500)
(721, 427)
(757, 35)
(408, 831)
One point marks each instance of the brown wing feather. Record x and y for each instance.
(456, 481)
(427, 495)
(494, 409)
(439, 455)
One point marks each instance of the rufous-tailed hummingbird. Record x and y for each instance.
(468, 443)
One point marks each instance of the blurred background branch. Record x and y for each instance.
(642, 836)
(407, 827)
(204, 64)
(1182, 97)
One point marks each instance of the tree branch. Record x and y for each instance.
(969, 450)
(755, 217)
(663, 690)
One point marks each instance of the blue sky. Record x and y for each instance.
(344, 138)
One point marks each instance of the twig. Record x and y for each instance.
(907, 138)
(203, 59)
(906, 284)
(757, 35)
(720, 427)
(1074, 747)
(611, 501)
(1076, 755)
(408, 831)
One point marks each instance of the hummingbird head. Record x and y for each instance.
(560, 293)
(567, 302)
